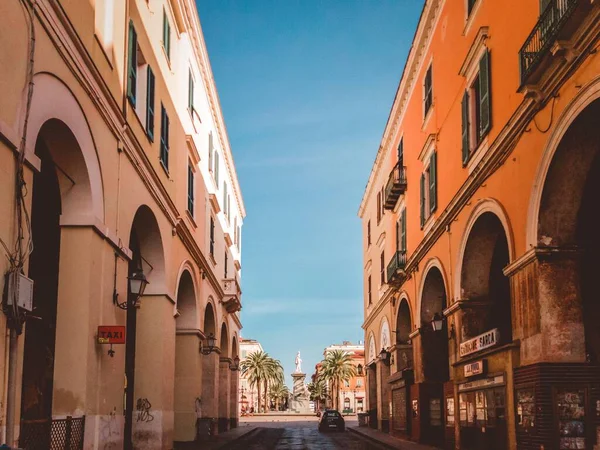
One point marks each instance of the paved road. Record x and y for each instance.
(300, 436)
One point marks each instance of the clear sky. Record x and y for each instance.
(306, 87)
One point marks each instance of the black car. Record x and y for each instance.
(332, 419)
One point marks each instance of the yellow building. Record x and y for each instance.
(480, 233)
(115, 171)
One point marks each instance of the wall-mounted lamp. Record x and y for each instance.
(137, 286)
(438, 324)
(359, 370)
(208, 344)
(384, 356)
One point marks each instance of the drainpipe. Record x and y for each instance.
(12, 387)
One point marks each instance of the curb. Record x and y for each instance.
(370, 438)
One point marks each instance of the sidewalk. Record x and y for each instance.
(388, 441)
(219, 441)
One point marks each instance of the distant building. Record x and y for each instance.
(248, 395)
(352, 392)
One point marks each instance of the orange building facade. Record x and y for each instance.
(481, 323)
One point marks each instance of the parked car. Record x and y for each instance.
(332, 419)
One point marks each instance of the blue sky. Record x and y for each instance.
(306, 87)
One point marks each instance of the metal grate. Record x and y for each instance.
(58, 434)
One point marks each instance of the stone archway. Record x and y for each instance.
(404, 350)
(568, 243)
(434, 344)
(188, 363)
(210, 368)
(482, 280)
(224, 379)
(149, 362)
(54, 381)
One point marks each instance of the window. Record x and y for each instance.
(225, 264)
(347, 384)
(164, 137)
(190, 205)
(150, 105)
(450, 411)
(359, 382)
(401, 232)
(235, 231)
(225, 199)
(190, 92)
(104, 20)
(427, 91)
(244, 354)
(212, 236)
(368, 233)
(216, 169)
(210, 151)
(544, 4)
(382, 267)
(429, 189)
(379, 202)
(228, 206)
(470, 5)
(476, 109)
(369, 291)
(525, 408)
(166, 34)
(132, 63)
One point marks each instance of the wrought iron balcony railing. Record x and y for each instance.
(544, 34)
(396, 266)
(395, 186)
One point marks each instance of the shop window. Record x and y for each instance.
(526, 409)
(435, 412)
(359, 405)
(570, 404)
(485, 408)
(449, 411)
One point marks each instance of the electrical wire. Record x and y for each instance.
(551, 118)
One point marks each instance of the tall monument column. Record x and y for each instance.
(300, 400)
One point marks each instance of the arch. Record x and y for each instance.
(384, 333)
(224, 341)
(486, 254)
(146, 244)
(235, 350)
(487, 205)
(587, 95)
(433, 263)
(186, 303)
(372, 355)
(53, 103)
(403, 322)
(209, 323)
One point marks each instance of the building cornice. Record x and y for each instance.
(383, 301)
(425, 28)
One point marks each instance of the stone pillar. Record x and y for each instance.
(153, 423)
(234, 409)
(188, 383)
(210, 386)
(383, 396)
(300, 403)
(224, 385)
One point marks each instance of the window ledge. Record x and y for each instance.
(190, 217)
(164, 50)
(477, 155)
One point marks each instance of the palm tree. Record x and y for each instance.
(259, 368)
(279, 392)
(336, 368)
(318, 391)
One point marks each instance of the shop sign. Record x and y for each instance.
(474, 368)
(481, 342)
(111, 334)
(485, 383)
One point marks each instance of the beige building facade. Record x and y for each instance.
(115, 170)
(248, 393)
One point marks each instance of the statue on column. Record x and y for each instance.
(298, 363)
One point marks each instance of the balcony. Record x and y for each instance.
(395, 269)
(232, 298)
(557, 23)
(395, 186)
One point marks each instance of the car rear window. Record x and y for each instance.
(333, 414)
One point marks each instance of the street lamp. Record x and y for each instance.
(208, 344)
(234, 365)
(384, 356)
(137, 286)
(359, 370)
(437, 322)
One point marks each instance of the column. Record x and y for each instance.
(224, 385)
(188, 384)
(383, 394)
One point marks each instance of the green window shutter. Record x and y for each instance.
(132, 64)
(191, 92)
(164, 137)
(150, 104)
(403, 230)
(465, 129)
(433, 182)
(485, 116)
(422, 200)
(166, 34)
(398, 236)
(191, 190)
(401, 152)
(217, 167)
